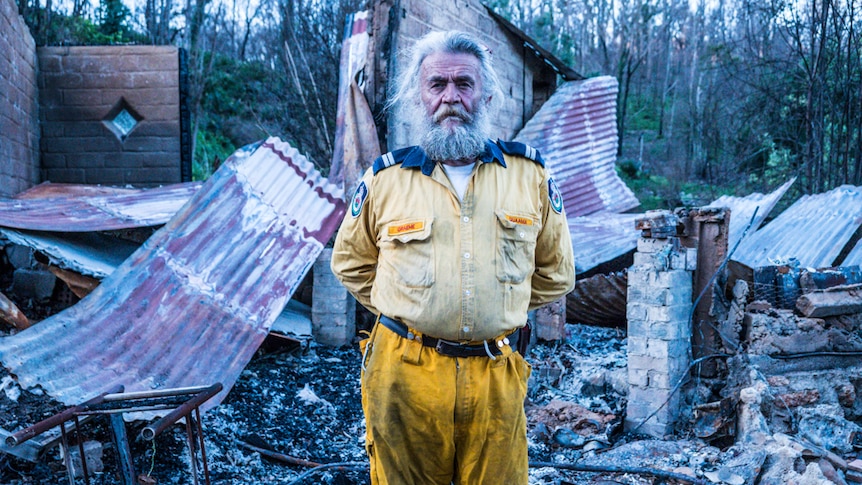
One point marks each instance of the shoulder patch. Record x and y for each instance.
(389, 159)
(520, 149)
(555, 196)
(358, 200)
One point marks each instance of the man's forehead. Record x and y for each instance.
(446, 64)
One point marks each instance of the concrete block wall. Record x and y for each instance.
(19, 103)
(333, 309)
(418, 17)
(658, 309)
(82, 88)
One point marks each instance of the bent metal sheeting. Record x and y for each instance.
(814, 230)
(576, 133)
(78, 208)
(191, 306)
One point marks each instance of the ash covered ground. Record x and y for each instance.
(305, 403)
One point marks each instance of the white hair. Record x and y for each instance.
(454, 42)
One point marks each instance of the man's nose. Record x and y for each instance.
(451, 94)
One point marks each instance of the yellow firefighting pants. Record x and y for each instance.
(438, 420)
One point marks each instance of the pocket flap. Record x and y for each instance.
(511, 220)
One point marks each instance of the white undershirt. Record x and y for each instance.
(459, 176)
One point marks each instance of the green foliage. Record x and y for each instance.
(54, 28)
(242, 102)
(211, 149)
(778, 164)
(643, 113)
(659, 192)
(113, 15)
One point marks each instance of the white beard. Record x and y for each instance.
(464, 141)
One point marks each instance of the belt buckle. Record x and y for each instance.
(444, 343)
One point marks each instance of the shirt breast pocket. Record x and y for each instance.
(516, 246)
(407, 252)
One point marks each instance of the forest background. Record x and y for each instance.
(716, 96)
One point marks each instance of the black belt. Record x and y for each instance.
(449, 348)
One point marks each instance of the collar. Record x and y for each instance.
(416, 158)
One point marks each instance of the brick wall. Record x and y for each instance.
(415, 18)
(83, 88)
(19, 108)
(658, 310)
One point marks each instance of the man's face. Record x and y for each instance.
(451, 88)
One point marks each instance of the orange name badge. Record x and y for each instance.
(524, 221)
(407, 227)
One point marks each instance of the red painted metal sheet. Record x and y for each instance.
(191, 305)
(576, 132)
(87, 208)
(814, 230)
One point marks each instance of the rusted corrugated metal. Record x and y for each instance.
(80, 208)
(813, 230)
(742, 209)
(598, 300)
(576, 132)
(602, 237)
(191, 306)
(356, 144)
(91, 253)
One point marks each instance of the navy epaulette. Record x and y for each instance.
(520, 149)
(392, 158)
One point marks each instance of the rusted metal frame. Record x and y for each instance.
(201, 439)
(156, 428)
(57, 419)
(191, 441)
(97, 406)
(81, 454)
(66, 458)
(178, 391)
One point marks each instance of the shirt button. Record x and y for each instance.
(467, 292)
(521, 235)
(466, 329)
(466, 219)
(466, 255)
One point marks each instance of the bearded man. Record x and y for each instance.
(450, 243)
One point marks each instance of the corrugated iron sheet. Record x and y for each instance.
(742, 209)
(91, 254)
(576, 132)
(78, 208)
(599, 300)
(356, 144)
(813, 230)
(191, 306)
(602, 237)
(854, 258)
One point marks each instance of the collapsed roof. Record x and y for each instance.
(192, 304)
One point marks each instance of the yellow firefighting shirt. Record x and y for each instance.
(465, 270)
